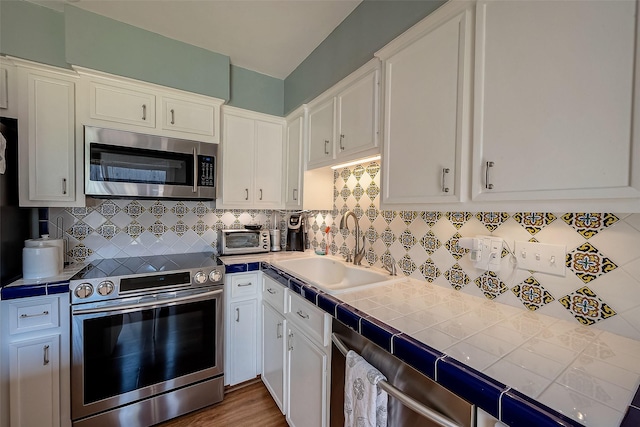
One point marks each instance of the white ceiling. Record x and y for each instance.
(271, 37)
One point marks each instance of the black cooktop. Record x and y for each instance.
(112, 267)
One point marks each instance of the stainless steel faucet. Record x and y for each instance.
(358, 252)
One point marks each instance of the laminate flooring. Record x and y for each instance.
(250, 406)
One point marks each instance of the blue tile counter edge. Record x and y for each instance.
(507, 405)
(34, 290)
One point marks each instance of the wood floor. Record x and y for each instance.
(250, 405)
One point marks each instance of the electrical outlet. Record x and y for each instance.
(541, 257)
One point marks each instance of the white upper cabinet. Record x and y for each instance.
(321, 133)
(52, 172)
(8, 89)
(121, 103)
(252, 156)
(554, 101)
(343, 121)
(293, 159)
(426, 108)
(357, 113)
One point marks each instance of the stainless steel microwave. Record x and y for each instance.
(243, 241)
(133, 165)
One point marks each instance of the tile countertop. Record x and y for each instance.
(24, 288)
(509, 361)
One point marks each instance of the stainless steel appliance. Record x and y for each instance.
(16, 223)
(133, 165)
(296, 233)
(147, 339)
(414, 399)
(243, 241)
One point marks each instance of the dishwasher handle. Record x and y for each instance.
(406, 400)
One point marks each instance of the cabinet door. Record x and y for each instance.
(268, 164)
(358, 115)
(34, 389)
(238, 166)
(293, 196)
(307, 375)
(50, 123)
(243, 339)
(122, 105)
(426, 118)
(553, 100)
(321, 133)
(273, 354)
(188, 116)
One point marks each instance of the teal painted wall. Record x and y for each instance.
(256, 92)
(368, 28)
(32, 32)
(104, 44)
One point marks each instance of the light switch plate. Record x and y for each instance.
(541, 257)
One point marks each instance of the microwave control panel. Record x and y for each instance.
(206, 171)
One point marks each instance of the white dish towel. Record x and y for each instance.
(365, 404)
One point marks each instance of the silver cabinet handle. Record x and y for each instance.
(64, 185)
(144, 111)
(173, 116)
(326, 142)
(244, 284)
(45, 360)
(295, 194)
(261, 194)
(445, 189)
(237, 314)
(271, 291)
(246, 197)
(302, 314)
(341, 144)
(289, 339)
(26, 316)
(279, 330)
(488, 184)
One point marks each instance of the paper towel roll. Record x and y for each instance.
(46, 241)
(40, 262)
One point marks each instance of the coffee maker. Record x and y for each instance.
(296, 234)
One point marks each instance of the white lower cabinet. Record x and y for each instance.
(35, 382)
(34, 374)
(296, 356)
(307, 368)
(242, 341)
(273, 353)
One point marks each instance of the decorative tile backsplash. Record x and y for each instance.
(601, 286)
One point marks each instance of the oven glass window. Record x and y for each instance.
(135, 165)
(125, 352)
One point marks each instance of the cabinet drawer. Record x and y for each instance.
(274, 294)
(244, 285)
(33, 315)
(310, 319)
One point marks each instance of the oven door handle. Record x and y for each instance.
(157, 303)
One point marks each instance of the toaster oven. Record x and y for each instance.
(243, 241)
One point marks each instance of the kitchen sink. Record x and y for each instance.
(333, 275)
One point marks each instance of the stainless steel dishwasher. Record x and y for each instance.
(414, 399)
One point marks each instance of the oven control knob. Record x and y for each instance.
(215, 275)
(105, 288)
(200, 277)
(84, 290)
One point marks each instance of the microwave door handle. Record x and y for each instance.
(195, 170)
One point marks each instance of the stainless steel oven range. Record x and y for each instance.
(147, 337)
